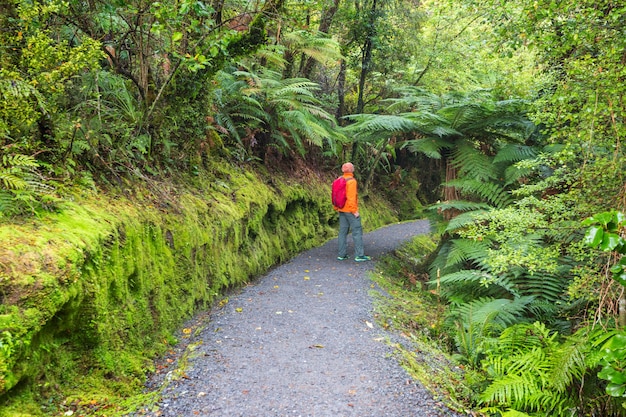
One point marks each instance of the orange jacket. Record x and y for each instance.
(352, 202)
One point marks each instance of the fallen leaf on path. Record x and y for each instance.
(187, 331)
(316, 347)
(370, 325)
(307, 278)
(239, 309)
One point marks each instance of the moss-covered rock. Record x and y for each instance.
(94, 292)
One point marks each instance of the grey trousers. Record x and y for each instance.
(349, 222)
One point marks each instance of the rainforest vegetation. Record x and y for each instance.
(148, 145)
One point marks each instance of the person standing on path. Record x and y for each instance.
(350, 219)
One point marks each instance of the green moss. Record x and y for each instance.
(90, 295)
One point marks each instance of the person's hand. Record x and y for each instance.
(356, 214)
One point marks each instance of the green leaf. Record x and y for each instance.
(612, 375)
(616, 342)
(176, 36)
(605, 218)
(593, 237)
(609, 241)
(621, 278)
(615, 390)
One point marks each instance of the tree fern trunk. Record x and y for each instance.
(450, 193)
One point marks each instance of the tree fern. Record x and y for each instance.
(283, 111)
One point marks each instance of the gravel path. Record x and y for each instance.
(299, 341)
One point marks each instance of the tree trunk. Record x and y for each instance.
(366, 63)
(341, 92)
(450, 193)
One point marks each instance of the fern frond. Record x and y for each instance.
(415, 99)
(8, 205)
(511, 387)
(459, 205)
(377, 123)
(464, 219)
(464, 250)
(471, 162)
(19, 160)
(316, 45)
(501, 312)
(431, 147)
(545, 287)
(568, 363)
(11, 181)
(513, 173)
(513, 152)
(490, 192)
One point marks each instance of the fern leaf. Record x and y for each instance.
(377, 123)
(514, 152)
(431, 147)
(464, 219)
(513, 174)
(459, 205)
(10, 181)
(464, 250)
(472, 162)
(490, 192)
(19, 160)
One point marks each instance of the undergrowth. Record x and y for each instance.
(410, 309)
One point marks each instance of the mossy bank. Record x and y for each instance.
(93, 292)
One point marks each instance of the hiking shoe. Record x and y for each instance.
(362, 258)
(342, 258)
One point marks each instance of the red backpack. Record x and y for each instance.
(338, 194)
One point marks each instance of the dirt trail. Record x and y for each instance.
(299, 341)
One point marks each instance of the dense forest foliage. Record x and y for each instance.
(509, 115)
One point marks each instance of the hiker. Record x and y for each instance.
(349, 218)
